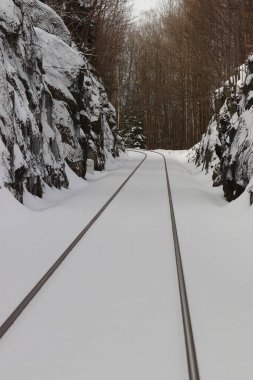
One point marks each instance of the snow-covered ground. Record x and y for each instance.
(216, 245)
(32, 241)
(112, 310)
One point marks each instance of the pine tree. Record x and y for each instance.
(133, 133)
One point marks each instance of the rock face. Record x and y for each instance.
(42, 17)
(53, 109)
(227, 147)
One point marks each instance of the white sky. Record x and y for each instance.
(144, 5)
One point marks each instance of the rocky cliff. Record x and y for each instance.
(227, 147)
(53, 109)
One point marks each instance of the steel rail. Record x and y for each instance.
(25, 302)
(188, 332)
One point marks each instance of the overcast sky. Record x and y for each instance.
(144, 5)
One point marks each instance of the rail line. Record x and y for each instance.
(188, 332)
(192, 362)
(25, 302)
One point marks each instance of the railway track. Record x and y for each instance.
(187, 326)
(35, 290)
(188, 332)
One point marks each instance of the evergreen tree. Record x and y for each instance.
(133, 134)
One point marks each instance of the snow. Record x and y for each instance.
(4, 163)
(61, 62)
(9, 19)
(44, 17)
(112, 310)
(226, 148)
(112, 164)
(42, 236)
(42, 92)
(216, 241)
(53, 196)
(18, 158)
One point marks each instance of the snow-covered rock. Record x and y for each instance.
(52, 108)
(45, 18)
(227, 147)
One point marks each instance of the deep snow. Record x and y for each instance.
(112, 311)
(216, 246)
(32, 241)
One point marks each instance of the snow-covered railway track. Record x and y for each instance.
(188, 332)
(29, 297)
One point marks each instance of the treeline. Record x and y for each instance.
(162, 69)
(175, 59)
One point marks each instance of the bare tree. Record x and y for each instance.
(99, 28)
(184, 52)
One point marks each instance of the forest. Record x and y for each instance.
(162, 68)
